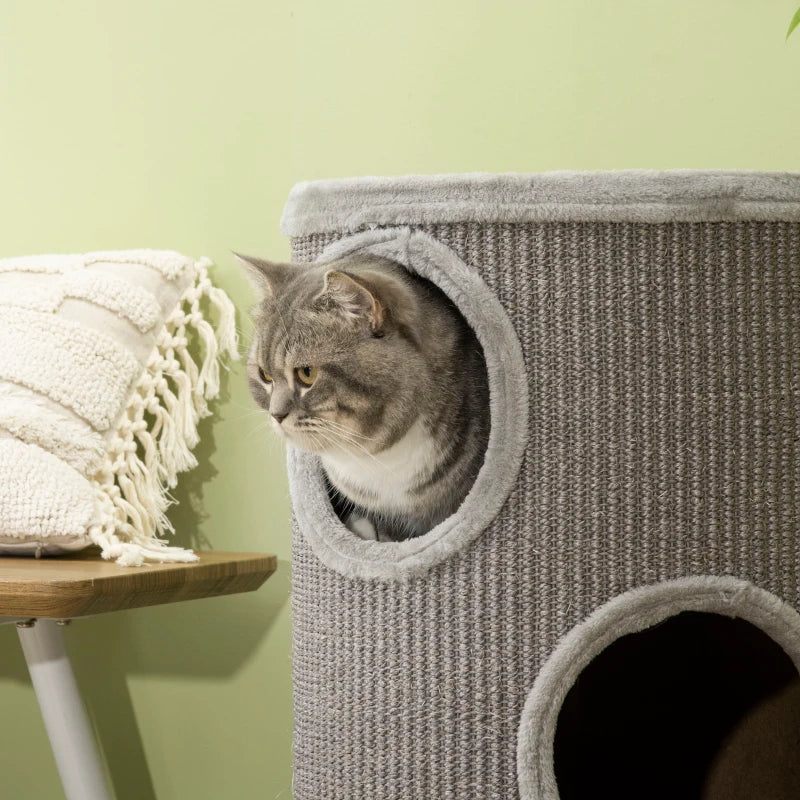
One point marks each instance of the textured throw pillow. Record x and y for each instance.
(106, 363)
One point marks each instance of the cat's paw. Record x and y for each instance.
(362, 528)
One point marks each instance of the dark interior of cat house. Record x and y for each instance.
(678, 710)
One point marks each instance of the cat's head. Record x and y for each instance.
(335, 357)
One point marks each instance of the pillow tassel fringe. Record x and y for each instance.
(153, 439)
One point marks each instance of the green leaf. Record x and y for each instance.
(794, 23)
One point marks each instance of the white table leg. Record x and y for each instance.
(71, 736)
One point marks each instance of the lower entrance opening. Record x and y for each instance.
(699, 707)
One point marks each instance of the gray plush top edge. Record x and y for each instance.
(352, 204)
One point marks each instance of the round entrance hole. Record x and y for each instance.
(317, 518)
(658, 712)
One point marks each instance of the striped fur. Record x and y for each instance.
(399, 409)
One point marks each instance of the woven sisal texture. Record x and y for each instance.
(664, 363)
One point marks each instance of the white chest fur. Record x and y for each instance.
(384, 480)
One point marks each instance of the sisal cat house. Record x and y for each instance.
(620, 584)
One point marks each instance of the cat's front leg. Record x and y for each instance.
(365, 529)
(361, 527)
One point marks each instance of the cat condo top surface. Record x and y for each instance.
(644, 464)
(352, 204)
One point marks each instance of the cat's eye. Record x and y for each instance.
(264, 375)
(306, 375)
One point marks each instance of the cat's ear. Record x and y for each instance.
(266, 276)
(353, 298)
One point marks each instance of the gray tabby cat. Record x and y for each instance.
(375, 370)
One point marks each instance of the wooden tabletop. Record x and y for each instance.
(82, 583)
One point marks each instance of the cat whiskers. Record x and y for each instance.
(326, 439)
(339, 439)
(345, 429)
(313, 434)
(319, 445)
(247, 414)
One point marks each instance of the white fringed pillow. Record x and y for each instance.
(106, 363)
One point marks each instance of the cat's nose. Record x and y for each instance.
(279, 417)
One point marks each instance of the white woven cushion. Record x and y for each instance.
(106, 363)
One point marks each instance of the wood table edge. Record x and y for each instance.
(168, 583)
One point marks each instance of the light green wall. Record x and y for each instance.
(183, 125)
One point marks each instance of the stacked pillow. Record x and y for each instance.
(106, 363)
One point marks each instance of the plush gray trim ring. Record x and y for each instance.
(630, 613)
(342, 550)
(624, 196)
